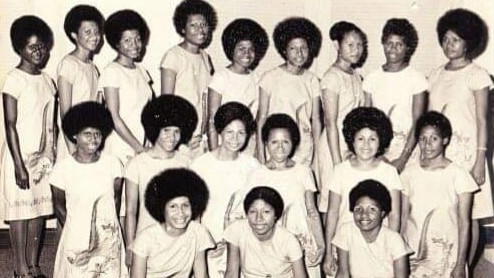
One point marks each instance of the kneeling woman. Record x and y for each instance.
(86, 193)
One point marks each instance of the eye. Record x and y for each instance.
(357, 209)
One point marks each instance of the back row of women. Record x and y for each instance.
(300, 124)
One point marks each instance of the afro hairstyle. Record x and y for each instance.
(371, 118)
(173, 183)
(87, 114)
(297, 27)
(403, 28)
(268, 195)
(436, 120)
(77, 15)
(232, 111)
(122, 21)
(193, 7)
(244, 29)
(468, 26)
(169, 110)
(26, 26)
(340, 29)
(282, 121)
(374, 190)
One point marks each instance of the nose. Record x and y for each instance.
(259, 217)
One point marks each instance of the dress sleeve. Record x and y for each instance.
(110, 78)
(11, 86)
(204, 238)
(308, 179)
(116, 168)
(292, 246)
(419, 83)
(232, 233)
(405, 181)
(57, 176)
(141, 243)
(394, 181)
(464, 182)
(368, 85)
(478, 79)
(397, 245)
(331, 82)
(266, 81)
(218, 82)
(131, 171)
(315, 86)
(335, 181)
(170, 61)
(341, 236)
(67, 69)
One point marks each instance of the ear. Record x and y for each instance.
(73, 35)
(336, 45)
(445, 141)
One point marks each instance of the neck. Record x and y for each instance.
(267, 236)
(394, 67)
(29, 68)
(343, 65)
(367, 164)
(295, 70)
(438, 162)
(189, 47)
(370, 236)
(83, 54)
(125, 61)
(84, 157)
(173, 232)
(238, 69)
(459, 63)
(224, 154)
(159, 152)
(279, 165)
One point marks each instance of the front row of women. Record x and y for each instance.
(169, 241)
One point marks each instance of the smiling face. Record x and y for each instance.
(88, 140)
(261, 218)
(178, 213)
(35, 53)
(395, 49)
(233, 136)
(368, 215)
(366, 144)
(243, 55)
(454, 47)
(196, 30)
(130, 45)
(431, 143)
(297, 52)
(168, 138)
(88, 36)
(279, 144)
(350, 48)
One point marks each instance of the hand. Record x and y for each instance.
(315, 257)
(80, 259)
(195, 142)
(329, 265)
(459, 271)
(478, 173)
(21, 177)
(128, 258)
(218, 251)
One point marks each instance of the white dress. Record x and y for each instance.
(91, 227)
(35, 97)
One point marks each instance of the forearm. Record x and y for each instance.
(212, 136)
(12, 138)
(124, 132)
(60, 213)
(463, 241)
(332, 135)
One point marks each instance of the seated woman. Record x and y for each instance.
(257, 246)
(176, 244)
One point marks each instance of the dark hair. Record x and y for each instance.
(87, 114)
(374, 190)
(268, 195)
(122, 21)
(340, 29)
(244, 29)
(232, 111)
(282, 121)
(297, 27)
(368, 117)
(26, 26)
(436, 120)
(169, 110)
(192, 7)
(403, 28)
(81, 13)
(468, 26)
(173, 183)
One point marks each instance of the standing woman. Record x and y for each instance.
(291, 88)
(186, 68)
(244, 42)
(28, 105)
(341, 92)
(77, 75)
(398, 89)
(459, 89)
(126, 85)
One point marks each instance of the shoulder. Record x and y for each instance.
(203, 160)
(110, 160)
(249, 159)
(271, 73)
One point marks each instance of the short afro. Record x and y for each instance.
(374, 190)
(81, 13)
(87, 114)
(244, 29)
(338, 32)
(169, 110)
(192, 7)
(281, 121)
(122, 21)
(26, 26)
(468, 26)
(268, 195)
(371, 118)
(403, 28)
(297, 27)
(232, 111)
(436, 120)
(173, 183)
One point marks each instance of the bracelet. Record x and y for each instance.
(482, 149)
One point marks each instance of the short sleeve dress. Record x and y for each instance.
(293, 95)
(91, 228)
(35, 95)
(84, 80)
(432, 226)
(348, 87)
(452, 93)
(393, 93)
